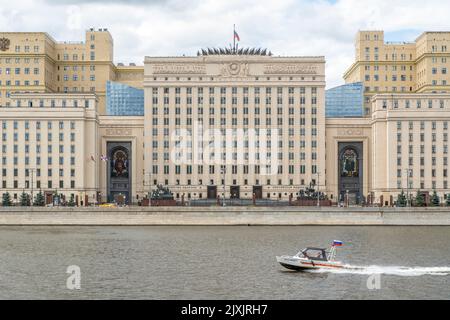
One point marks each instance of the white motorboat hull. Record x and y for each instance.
(299, 264)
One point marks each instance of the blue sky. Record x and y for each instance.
(176, 27)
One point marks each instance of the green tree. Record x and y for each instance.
(6, 200)
(435, 201)
(39, 200)
(401, 200)
(420, 199)
(24, 199)
(71, 202)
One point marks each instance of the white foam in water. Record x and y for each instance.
(388, 270)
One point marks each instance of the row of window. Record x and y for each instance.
(245, 156)
(37, 148)
(53, 103)
(38, 137)
(36, 172)
(234, 182)
(234, 90)
(66, 56)
(422, 137)
(422, 149)
(386, 89)
(422, 125)
(234, 122)
(75, 89)
(75, 77)
(386, 68)
(234, 110)
(37, 123)
(393, 57)
(26, 48)
(212, 78)
(234, 100)
(234, 169)
(38, 161)
(19, 83)
(394, 78)
(415, 103)
(242, 134)
(233, 156)
(27, 70)
(435, 70)
(422, 161)
(19, 60)
(37, 185)
(436, 60)
(422, 185)
(435, 48)
(76, 68)
(422, 173)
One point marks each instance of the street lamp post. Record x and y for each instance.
(408, 202)
(318, 193)
(32, 185)
(149, 184)
(347, 200)
(224, 170)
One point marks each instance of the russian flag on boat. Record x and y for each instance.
(337, 243)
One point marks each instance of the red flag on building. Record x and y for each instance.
(236, 36)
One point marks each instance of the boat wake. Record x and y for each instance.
(387, 270)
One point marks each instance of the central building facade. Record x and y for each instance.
(246, 124)
(225, 123)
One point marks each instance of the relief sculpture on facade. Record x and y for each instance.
(234, 69)
(118, 132)
(4, 44)
(350, 132)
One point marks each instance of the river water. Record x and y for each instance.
(221, 262)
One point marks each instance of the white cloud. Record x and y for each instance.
(176, 27)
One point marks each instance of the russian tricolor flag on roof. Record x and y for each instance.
(236, 36)
(337, 243)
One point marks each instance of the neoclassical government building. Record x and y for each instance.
(239, 122)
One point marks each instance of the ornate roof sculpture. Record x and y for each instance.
(234, 51)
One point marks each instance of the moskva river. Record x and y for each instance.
(220, 263)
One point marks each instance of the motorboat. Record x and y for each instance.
(312, 258)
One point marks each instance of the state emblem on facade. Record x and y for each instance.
(234, 69)
(4, 44)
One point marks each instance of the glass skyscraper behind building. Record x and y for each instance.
(124, 100)
(344, 101)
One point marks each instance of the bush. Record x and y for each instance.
(24, 199)
(6, 200)
(401, 200)
(71, 202)
(420, 199)
(39, 200)
(435, 201)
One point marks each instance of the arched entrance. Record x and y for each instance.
(351, 172)
(119, 172)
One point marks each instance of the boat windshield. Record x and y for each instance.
(314, 254)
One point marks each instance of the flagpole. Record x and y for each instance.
(234, 38)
